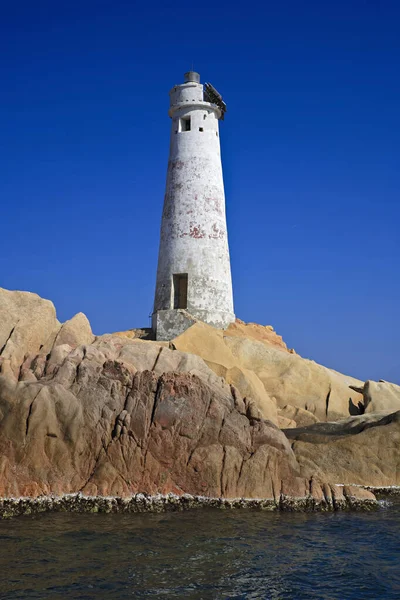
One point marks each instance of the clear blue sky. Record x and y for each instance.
(310, 153)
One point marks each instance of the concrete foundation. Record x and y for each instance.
(168, 324)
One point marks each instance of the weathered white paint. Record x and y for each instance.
(193, 230)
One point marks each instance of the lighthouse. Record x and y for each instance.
(194, 275)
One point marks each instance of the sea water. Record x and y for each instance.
(201, 554)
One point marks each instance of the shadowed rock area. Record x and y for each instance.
(118, 415)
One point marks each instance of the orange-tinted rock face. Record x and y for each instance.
(98, 427)
(95, 424)
(261, 333)
(116, 416)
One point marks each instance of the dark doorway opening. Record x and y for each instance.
(180, 283)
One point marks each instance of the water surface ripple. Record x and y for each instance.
(202, 554)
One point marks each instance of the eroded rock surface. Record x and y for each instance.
(380, 395)
(117, 415)
(98, 426)
(29, 330)
(363, 450)
(274, 377)
(28, 323)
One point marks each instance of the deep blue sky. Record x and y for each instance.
(310, 150)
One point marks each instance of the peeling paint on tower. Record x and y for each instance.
(194, 274)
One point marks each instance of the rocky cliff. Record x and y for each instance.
(214, 413)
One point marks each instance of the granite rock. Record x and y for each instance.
(363, 450)
(273, 376)
(117, 415)
(28, 324)
(381, 395)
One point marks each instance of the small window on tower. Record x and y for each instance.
(185, 124)
(180, 286)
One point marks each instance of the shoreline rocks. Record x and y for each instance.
(386, 491)
(141, 503)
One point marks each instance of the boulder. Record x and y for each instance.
(293, 380)
(29, 329)
(363, 450)
(144, 333)
(297, 416)
(28, 324)
(381, 395)
(260, 333)
(74, 332)
(286, 377)
(285, 423)
(209, 343)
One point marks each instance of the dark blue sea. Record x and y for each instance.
(202, 554)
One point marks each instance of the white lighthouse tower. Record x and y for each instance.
(194, 274)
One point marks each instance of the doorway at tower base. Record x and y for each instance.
(168, 324)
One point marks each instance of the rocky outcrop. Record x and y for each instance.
(260, 333)
(99, 426)
(363, 450)
(380, 395)
(74, 332)
(142, 334)
(326, 498)
(209, 343)
(117, 415)
(274, 377)
(95, 424)
(291, 416)
(28, 324)
(29, 330)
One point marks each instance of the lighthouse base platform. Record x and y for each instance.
(168, 324)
